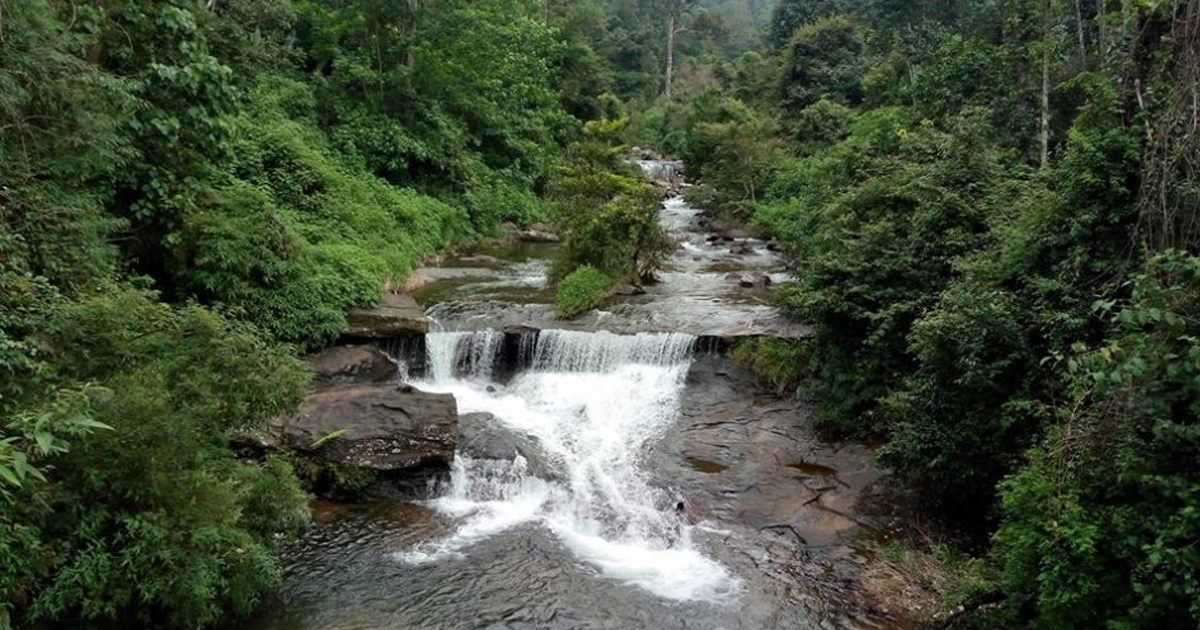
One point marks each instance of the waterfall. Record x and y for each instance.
(571, 351)
(593, 403)
(470, 354)
(661, 170)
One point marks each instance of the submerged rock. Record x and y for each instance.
(741, 248)
(375, 426)
(482, 436)
(626, 288)
(394, 316)
(351, 364)
(748, 280)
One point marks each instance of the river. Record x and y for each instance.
(664, 489)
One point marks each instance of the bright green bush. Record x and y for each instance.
(781, 362)
(503, 197)
(582, 290)
(607, 213)
(297, 238)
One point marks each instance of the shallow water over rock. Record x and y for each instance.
(674, 503)
(665, 487)
(701, 290)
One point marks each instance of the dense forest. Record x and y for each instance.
(990, 205)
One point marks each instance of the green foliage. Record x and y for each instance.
(877, 223)
(823, 60)
(607, 213)
(735, 152)
(789, 15)
(781, 362)
(503, 197)
(821, 125)
(1100, 529)
(580, 291)
(152, 516)
(296, 238)
(1028, 296)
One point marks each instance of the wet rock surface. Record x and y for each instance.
(382, 427)
(350, 364)
(395, 315)
(782, 501)
(744, 456)
(482, 436)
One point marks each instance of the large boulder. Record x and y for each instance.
(351, 364)
(395, 315)
(374, 426)
(538, 233)
(482, 436)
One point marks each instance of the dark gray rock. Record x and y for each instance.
(626, 288)
(351, 364)
(482, 436)
(376, 426)
(741, 248)
(394, 316)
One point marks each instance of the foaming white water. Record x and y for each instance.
(677, 215)
(592, 402)
(449, 353)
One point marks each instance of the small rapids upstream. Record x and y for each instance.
(593, 402)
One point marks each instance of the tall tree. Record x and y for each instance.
(675, 11)
(790, 15)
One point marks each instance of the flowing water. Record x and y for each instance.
(593, 402)
(698, 291)
(658, 488)
(597, 544)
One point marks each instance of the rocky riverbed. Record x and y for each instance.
(531, 473)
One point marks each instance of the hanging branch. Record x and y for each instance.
(1169, 199)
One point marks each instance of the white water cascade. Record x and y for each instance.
(592, 402)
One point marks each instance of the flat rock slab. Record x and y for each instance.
(746, 458)
(351, 364)
(394, 316)
(375, 425)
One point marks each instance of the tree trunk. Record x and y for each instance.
(1079, 26)
(412, 35)
(1045, 104)
(673, 15)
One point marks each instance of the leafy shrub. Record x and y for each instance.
(823, 59)
(1101, 526)
(580, 291)
(500, 197)
(298, 239)
(876, 223)
(980, 393)
(821, 124)
(156, 519)
(606, 211)
(781, 362)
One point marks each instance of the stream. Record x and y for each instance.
(664, 487)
